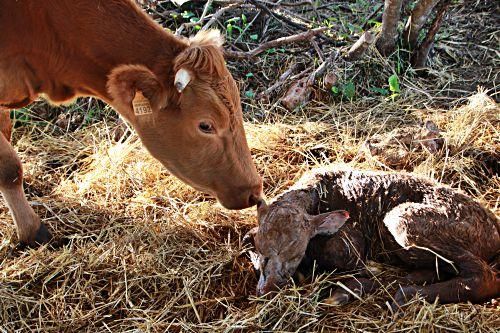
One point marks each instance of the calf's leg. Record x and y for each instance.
(423, 276)
(356, 286)
(417, 228)
(29, 228)
(477, 282)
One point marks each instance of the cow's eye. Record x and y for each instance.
(206, 127)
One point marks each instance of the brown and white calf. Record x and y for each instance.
(447, 239)
(190, 117)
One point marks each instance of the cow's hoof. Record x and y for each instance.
(43, 235)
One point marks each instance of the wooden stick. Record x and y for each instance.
(281, 80)
(304, 36)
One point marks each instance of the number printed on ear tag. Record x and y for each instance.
(141, 104)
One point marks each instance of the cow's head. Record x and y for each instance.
(194, 125)
(282, 237)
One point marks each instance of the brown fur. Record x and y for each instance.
(111, 49)
(394, 218)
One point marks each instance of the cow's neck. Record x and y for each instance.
(91, 46)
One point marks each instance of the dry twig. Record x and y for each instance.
(192, 24)
(304, 36)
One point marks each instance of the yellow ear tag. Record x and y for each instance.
(141, 104)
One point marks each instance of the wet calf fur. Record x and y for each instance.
(394, 218)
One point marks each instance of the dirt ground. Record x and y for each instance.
(138, 251)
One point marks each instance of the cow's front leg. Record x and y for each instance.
(29, 228)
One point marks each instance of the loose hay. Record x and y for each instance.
(145, 253)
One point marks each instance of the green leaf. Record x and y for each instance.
(187, 14)
(233, 20)
(254, 37)
(249, 75)
(394, 83)
(238, 28)
(335, 90)
(381, 91)
(249, 94)
(349, 90)
(229, 29)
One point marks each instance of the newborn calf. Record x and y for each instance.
(443, 236)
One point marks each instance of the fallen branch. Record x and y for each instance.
(360, 47)
(281, 80)
(322, 68)
(277, 16)
(304, 36)
(419, 58)
(387, 39)
(416, 22)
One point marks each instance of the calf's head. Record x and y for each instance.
(192, 121)
(282, 237)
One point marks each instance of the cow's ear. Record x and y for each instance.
(125, 81)
(328, 223)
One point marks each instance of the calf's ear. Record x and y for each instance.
(125, 81)
(328, 223)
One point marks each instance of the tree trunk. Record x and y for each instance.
(416, 22)
(387, 38)
(420, 55)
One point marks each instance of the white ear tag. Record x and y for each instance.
(141, 104)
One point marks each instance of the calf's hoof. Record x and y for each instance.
(338, 298)
(402, 296)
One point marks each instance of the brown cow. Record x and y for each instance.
(190, 118)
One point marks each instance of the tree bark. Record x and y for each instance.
(420, 55)
(416, 22)
(387, 39)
